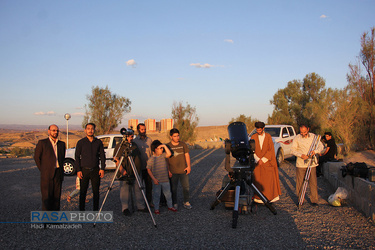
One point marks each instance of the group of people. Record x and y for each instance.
(160, 167)
(49, 157)
(266, 176)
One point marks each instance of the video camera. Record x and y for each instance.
(240, 146)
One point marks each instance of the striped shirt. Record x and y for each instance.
(158, 166)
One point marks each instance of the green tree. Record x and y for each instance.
(301, 102)
(363, 84)
(185, 120)
(105, 109)
(287, 104)
(247, 120)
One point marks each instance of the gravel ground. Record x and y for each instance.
(310, 227)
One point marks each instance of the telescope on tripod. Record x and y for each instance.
(241, 172)
(126, 155)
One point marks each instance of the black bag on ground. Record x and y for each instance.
(357, 169)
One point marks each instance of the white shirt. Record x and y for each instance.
(261, 140)
(54, 145)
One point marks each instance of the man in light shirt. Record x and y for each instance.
(300, 148)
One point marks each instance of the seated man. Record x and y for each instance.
(329, 154)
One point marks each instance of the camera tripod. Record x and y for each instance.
(126, 154)
(241, 177)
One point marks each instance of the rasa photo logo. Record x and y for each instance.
(71, 217)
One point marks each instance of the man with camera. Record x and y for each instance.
(127, 177)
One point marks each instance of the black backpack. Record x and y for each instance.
(357, 169)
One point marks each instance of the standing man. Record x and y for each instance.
(89, 151)
(300, 148)
(266, 174)
(179, 166)
(127, 180)
(144, 144)
(49, 157)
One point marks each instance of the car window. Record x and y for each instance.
(105, 141)
(291, 132)
(274, 132)
(116, 140)
(285, 131)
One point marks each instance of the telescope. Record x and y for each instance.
(241, 173)
(127, 131)
(239, 145)
(126, 155)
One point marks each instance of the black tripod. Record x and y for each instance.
(126, 154)
(241, 177)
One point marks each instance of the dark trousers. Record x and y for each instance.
(322, 160)
(51, 192)
(184, 179)
(93, 175)
(148, 185)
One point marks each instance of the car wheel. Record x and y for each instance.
(280, 157)
(69, 168)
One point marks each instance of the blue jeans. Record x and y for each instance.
(184, 179)
(156, 193)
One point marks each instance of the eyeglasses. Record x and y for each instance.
(54, 130)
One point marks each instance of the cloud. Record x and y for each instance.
(49, 113)
(198, 65)
(131, 62)
(323, 16)
(228, 41)
(78, 108)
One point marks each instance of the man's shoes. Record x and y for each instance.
(187, 205)
(172, 209)
(127, 212)
(314, 204)
(157, 212)
(144, 210)
(175, 206)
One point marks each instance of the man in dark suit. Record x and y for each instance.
(49, 157)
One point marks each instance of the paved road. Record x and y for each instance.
(309, 227)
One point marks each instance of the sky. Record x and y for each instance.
(225, 58)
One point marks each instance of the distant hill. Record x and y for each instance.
(22, 127)
(28, 135)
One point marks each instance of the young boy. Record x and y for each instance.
(179, 165)
(158, 170)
